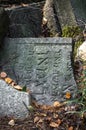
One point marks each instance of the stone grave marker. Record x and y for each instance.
(13, 103)
(42, 64)
(24, 21)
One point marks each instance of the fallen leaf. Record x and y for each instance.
(55, 115)
(48, 118)
(3, 75)
(45, 107)
(36, 119)
(13, 84)
(17, 87)
(40, 121)
(8, 80)
(54, 125)
(68, 95)
(56, 104)
(11, 122)
(70, 128)
(43, 114)
(59, 121)
(24, 5)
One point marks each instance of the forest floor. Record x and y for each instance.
(46, 118)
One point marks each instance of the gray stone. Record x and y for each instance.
(65, 13)
(42, 64)
(79, 9)
(24, 21)
(4, 22)
(49, 14)
(12, 101)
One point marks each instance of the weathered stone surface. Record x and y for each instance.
(4, 21)
(49, 14)
(81, 52)
(65, 12)
(24, 21)
(42, 64)
(79, 8)
(11, 101)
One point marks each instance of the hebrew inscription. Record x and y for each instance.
(43, 65)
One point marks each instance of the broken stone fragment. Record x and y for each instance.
(13, 102)
(4, 22)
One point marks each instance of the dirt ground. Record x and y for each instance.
(46, 119)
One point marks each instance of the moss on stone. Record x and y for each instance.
(74, 32)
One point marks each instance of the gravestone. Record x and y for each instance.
(42, 64)
(65, 13)
(13, 103)
(79, 9)
(25, 21)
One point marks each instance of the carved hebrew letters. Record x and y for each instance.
(43, 66)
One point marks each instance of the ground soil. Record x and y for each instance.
(41, 119)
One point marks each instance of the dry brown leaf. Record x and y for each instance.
(3, 75)
(28, 90)
(35, 104)
(40, 121)
(13, 84)
(54, 125)
(45, 107)
(18, 87)
(24, 5)
(11, 122)
(70, 128)
(48, 118)
(43, 114)
(68, 95)
(55, 115)
(56, 104)
(36, 119)
(59, 121)
(8, 80)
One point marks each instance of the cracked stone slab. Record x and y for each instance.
(12, 101)
(44, 65)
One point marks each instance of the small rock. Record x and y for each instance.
(81, 52)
